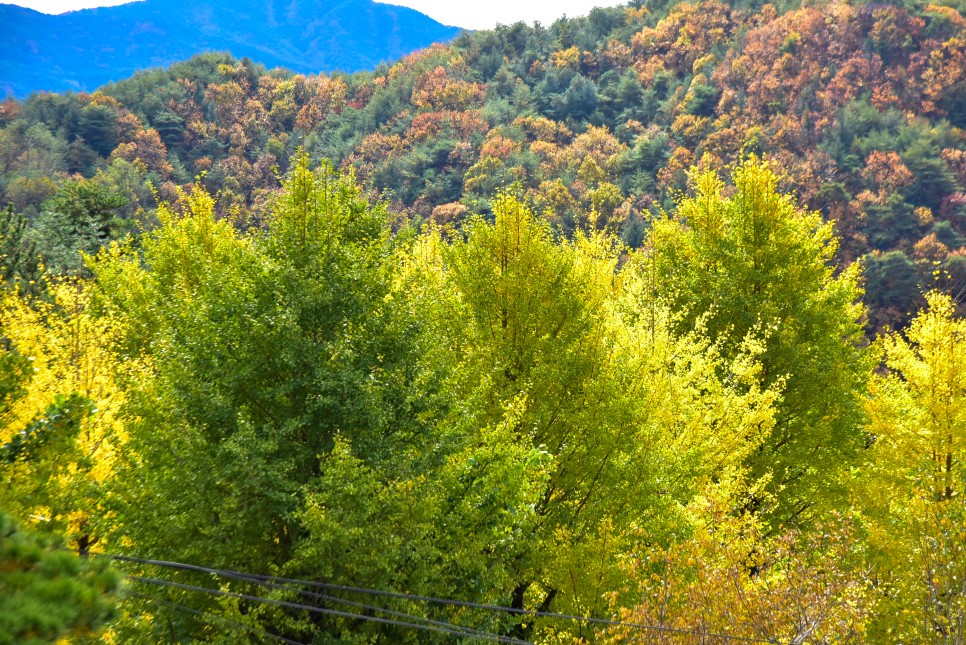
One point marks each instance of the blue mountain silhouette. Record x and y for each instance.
(82, 50)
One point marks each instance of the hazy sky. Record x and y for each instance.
(475, 14)
(481, 14)
(61, 6)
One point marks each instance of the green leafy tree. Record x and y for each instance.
(263, 348)
(480, 419)
(749, 262)
(564, 418)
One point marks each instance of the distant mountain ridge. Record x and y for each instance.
(82, 50)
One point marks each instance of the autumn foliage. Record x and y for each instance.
(651, 317)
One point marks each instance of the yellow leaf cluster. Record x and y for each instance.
(70, 352)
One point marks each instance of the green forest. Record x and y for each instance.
(643, 327)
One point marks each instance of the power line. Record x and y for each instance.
(451, 630)
(254, 578)
(437, 600)
(469, 631)
(206, 617)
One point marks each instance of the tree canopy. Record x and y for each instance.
(637, 327)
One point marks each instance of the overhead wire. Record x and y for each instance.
(437, 600)
(469, 631)
(207, 618)
(253, 578)
(451, 631)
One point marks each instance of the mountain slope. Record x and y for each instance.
(84, 49)
(595, 120)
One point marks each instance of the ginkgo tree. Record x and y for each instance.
(564, 419)
(487, 417)
(260, 350)
(913, 493)
(748, 262)
(60, 433)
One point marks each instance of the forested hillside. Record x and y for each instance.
(861, 108)
(640, 328)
